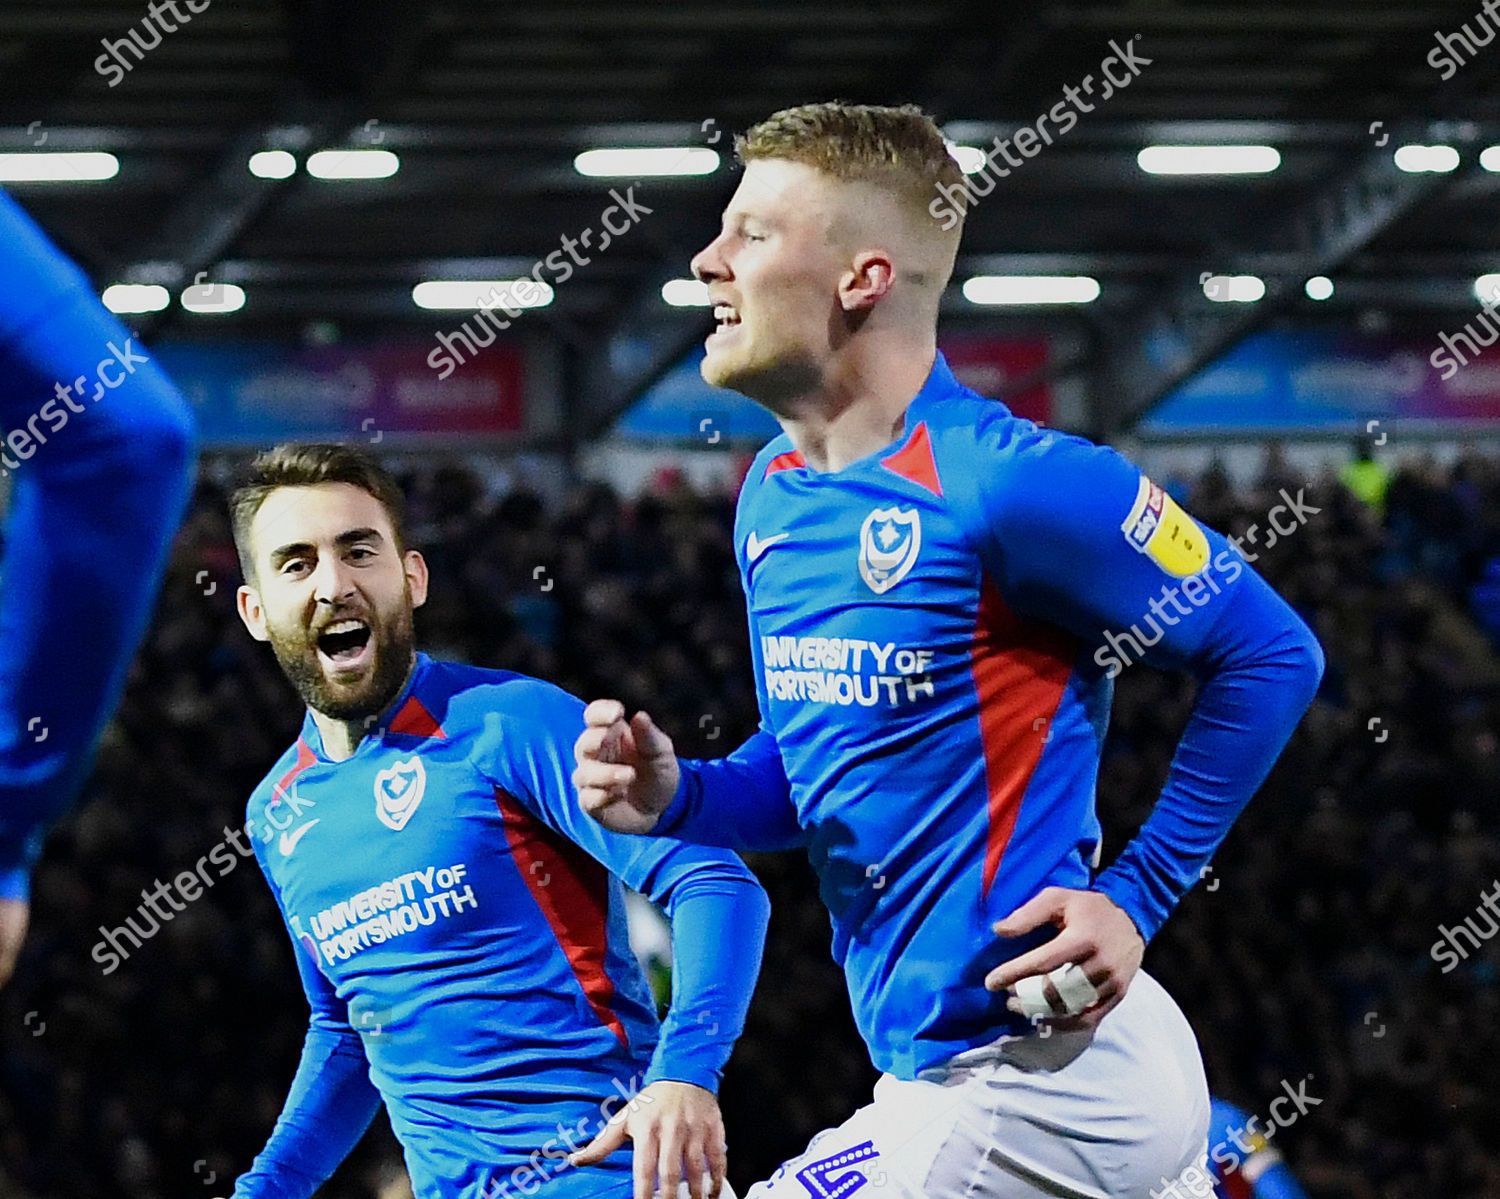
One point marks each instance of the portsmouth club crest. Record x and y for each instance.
(398, 791)
(888, 544)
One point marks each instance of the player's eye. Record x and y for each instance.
(361, 552)
(293, 566)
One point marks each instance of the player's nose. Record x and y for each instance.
(708, 264)
(332, 581)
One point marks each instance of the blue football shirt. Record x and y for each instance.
(461, 927)
(935, 630)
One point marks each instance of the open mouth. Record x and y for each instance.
(345, 643)
(727, 320)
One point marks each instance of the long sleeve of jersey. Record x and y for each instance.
(741, 801)
(100, 479)
(1079, 538)
(331, 1101)
(1245, 1163)
(718, 910)
(718, 934)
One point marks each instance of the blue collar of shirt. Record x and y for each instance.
(939, 385)
(941, 382)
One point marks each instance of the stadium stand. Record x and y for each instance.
(1306, 954)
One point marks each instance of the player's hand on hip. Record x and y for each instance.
(627, 770)
(15, 915)
(1077, 978)
(679, 1137)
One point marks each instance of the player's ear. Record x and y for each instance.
(869, 278)
(416, 576)
(247, 604)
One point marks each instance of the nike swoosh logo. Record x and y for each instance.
(755, 547)
(289, 839)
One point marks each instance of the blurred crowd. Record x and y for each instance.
(1307, 951)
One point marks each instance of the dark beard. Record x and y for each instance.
(394, 651)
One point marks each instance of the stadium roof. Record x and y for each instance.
(488, 103)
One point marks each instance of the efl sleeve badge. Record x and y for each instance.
(1159, 528)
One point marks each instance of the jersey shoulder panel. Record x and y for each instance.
(776, 455)
(509, 724)
(984, 432)
(974, 441)
(293, 760)
(471, 695)
(1002, 464)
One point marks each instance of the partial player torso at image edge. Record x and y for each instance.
(483, 956)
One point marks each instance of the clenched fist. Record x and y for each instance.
(627, 770)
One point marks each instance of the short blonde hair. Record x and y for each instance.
(898, 148)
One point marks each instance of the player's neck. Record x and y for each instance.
(342, 737)
(860, 408)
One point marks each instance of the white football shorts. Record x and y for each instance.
(1115, 1113)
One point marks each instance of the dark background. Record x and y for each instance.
(1305, 953)
(1308, 950)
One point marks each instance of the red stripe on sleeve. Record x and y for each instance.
(1020, 670)
(572, 891)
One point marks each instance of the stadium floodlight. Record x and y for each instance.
(43, 166)
(1487, 287)
(468, 295)
(136, 297)
(685, 293)
(1031, 289)
(1234, 289)
(1489, 159)
(633, 162)
(1319, 287)
(970, 159)
(1208, 160)
(353, 164)
(1416, 159)
(273, 164)
(212, 298)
